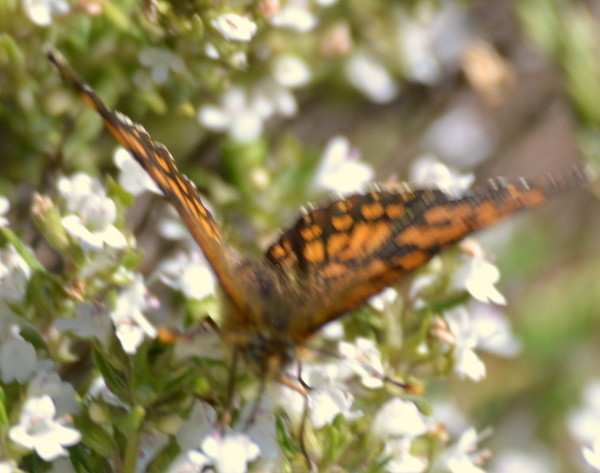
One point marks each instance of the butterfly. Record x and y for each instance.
(335, 257)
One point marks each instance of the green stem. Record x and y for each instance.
(131, 452)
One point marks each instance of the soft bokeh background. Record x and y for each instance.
(488, 87)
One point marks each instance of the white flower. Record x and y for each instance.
(161, 61)
(477, 275)
(414, 42)
(398, 418)
(132, 176)
(584, 423)
(62, 393)
(383, 300)
(93, 213)
(190, 273)
(237, 115)
(461, 457)
(41, 11)
(592, 455)
(460, 137)
(14, 275)
(494, 330)
(516, 461)
(290, 71)
(93, 321)
(340, 169)
(428, 170)
(99, 389)
(399, 458)
(466, 362)
(295, 18)
(38, 430)
(131, 325)
(230, 453)
(15, 348)
(76, 189)
(262, 429)
(364, 359)
(327, 397)
(366, 74)
(151, 444)
(6, 467)
(4, 208)
(235, 27)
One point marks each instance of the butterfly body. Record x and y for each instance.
(335, 257)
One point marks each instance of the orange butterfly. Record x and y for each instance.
(334, 257)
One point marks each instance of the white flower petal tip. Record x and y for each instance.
(235, 27)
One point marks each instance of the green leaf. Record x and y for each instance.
(115, 380)
(29, 258)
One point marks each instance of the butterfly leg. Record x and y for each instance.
(300, 386)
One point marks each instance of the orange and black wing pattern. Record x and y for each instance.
(351, 249)
(159, 164)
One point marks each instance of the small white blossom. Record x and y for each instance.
(38, 430)
(41, 11)
(6, 467)
(327, 398)
(93, 321)
(461, 458)
(4, 208)
(399, 458)
(295, 18)
(99, 389)
(383, 300)
(398, 418)
(290, 71)
(230, 453)
(161, 62)
(592, 455)
(477, 275)
(460, 137)
(237, 115)
(364, 359)
(516, 461)
(234, 27)
(494, 330)
(584, 423)
(262, 429)
(76, 189)
(62, 393)
(151, 444)
(14, 275)
(15, 348)
(93, 213)
(340, 169)
(190, 273)
(428, 170)
(132, 176)
(372, 79)
(466, 362)
(131, 325)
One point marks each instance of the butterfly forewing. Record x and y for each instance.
(179, 191)
(351, 249)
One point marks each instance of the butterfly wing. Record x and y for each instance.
(351, 249)
(179, 191)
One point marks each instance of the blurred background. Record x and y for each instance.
(485, 88)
